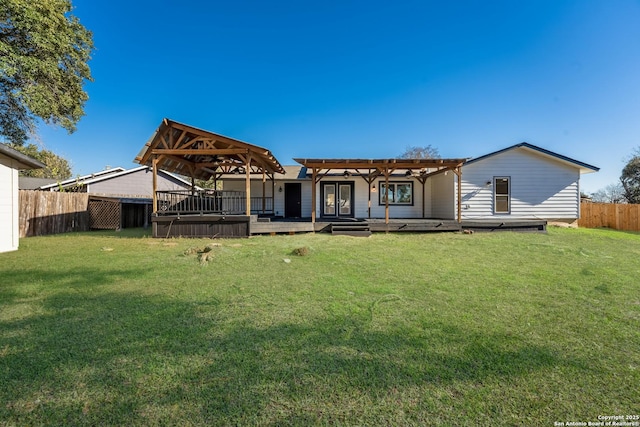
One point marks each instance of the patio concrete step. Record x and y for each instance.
(358, 229)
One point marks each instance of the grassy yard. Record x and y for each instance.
(399, 329)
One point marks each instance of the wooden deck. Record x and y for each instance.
(276, 226)
(216, 225)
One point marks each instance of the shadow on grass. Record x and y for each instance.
(123, 359)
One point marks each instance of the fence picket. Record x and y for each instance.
(611, 215)
(51, 212)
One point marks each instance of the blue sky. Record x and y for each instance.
(364, 78)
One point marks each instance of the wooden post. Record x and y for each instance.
(154, 169)
(248, 183)
(314, 174)
(264, 190)
(423, 181)
(273, 193)
(386, 195)
(458, 172)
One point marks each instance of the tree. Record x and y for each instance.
(56, 167)
(612, 193)
(44, 52)
(630, 179)
(426, 152)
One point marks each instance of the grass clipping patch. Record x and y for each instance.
(204, 254)
(303, 251)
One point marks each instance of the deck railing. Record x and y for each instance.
(210, 201)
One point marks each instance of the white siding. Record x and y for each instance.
(540, 187)
(256, 191)
(361, 200)
(9, 214)
(443, 195)
(306, 198)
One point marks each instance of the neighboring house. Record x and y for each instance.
(130, 183)
(120, 198)
(11, 161)
(519, 182)
(31, 183)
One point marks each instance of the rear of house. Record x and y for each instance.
(522, 182)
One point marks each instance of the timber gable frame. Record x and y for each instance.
(200, 154)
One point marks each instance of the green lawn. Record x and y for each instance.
(397, 329)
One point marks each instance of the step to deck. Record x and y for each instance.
(357, 229)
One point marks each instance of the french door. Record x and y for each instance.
(337, 199)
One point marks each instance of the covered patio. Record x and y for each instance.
(204, 155)
(371, 170)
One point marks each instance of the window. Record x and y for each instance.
(501, 194)
(400, 193)
(330, 199)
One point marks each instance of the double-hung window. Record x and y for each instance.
(501, 194)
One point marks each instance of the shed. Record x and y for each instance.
(11, 161)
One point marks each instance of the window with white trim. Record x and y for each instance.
(501, 194)
(400, 193)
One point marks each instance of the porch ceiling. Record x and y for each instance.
(201, 154)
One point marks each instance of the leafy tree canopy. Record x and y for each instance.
(630, 179)
(426, 152)
(44, 52)
(56, 166)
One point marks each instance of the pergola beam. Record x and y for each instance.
(199, 151)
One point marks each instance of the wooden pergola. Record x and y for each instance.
(200, 154)
(371, 169)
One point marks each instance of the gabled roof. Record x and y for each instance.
(190, 151)
(83, 178)
(32, 183)
(24, 161)
(584, 167)
(107, 175)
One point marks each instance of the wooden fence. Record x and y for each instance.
(616, 216)
(51, 212)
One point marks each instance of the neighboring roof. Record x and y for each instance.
(295, 172)
(24, 161)
(31, 183)
(109, 174)
(380, 163)
(584, 167)
(84, 178)
(190, 151)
